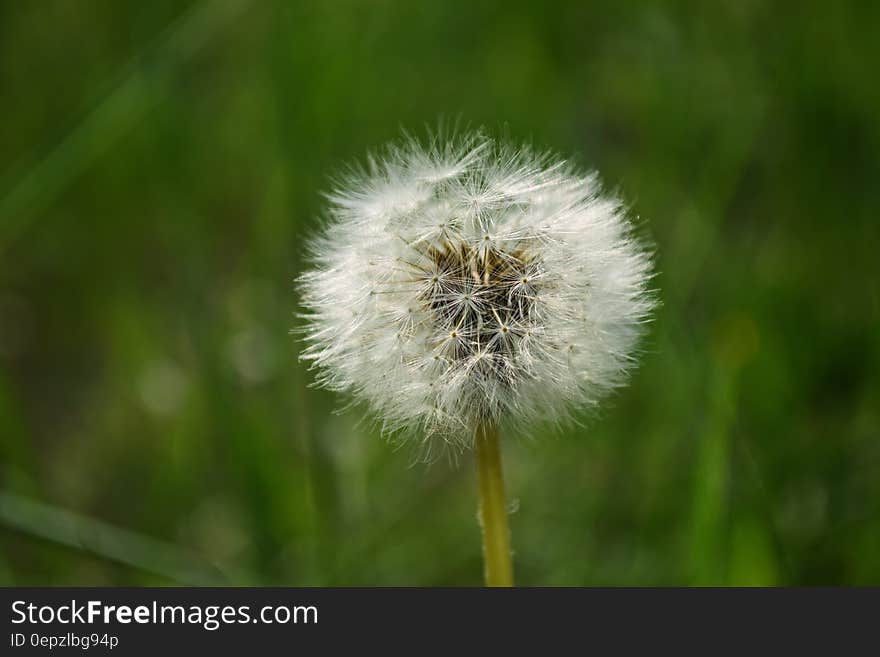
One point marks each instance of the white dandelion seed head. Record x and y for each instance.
(470, 281)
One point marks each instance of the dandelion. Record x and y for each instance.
(468, 284)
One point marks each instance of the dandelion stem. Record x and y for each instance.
(493, 508)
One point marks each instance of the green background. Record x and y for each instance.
(161, 164)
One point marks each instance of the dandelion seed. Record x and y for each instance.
(454, 243)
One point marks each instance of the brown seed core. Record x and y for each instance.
(480, 293)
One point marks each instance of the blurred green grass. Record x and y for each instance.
(161, 165)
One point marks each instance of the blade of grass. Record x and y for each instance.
(139, 90)
(106, 541)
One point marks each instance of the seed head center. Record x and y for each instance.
(482, 296)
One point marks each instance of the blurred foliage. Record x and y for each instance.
(161, 164)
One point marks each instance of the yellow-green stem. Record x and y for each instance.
(493, 508)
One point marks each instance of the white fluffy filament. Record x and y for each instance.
(471, 281)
